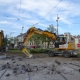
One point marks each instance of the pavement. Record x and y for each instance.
(39, 68)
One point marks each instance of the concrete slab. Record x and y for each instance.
(48, 69)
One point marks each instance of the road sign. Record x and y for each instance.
(78, 45)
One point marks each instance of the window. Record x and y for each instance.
(63, 39)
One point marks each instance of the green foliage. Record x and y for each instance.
(15, 39)
(9, 40)
(38, 39)
(78, 55)
(52, 29)
(5, 41)
(37, 50)
(14, 50)
(35, 38)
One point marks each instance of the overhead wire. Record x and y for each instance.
(17, 18)
(13, 23)
(51, 10)
(20, 9)
(69, 18)
(43, 17)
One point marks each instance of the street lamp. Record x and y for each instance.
(57, 23)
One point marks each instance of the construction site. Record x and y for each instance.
(40, 67)
(44, 66)
(39, 40)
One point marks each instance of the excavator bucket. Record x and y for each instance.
(24, 50)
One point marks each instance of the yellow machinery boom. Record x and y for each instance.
(61, 44)
(30, 32)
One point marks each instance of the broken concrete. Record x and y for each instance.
(39, 68)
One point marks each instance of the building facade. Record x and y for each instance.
(31, 44)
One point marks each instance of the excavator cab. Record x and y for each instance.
(60, 41)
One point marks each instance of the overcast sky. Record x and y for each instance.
(17, 13)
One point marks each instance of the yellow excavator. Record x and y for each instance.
(62, 45)
(2, 45)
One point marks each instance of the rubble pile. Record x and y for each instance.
(22, 69)
(3, 67)
(19, 66)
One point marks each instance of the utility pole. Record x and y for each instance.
(57, 23)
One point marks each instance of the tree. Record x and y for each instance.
(35, 38)
(40, 39)
(51, 29)
(10, 42)
(5, 41)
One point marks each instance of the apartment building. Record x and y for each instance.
(31, 44)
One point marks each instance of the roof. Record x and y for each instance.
(21, 35)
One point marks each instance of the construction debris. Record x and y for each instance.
(3, 67)
(20, 66)
(57, 62)
(7, 75)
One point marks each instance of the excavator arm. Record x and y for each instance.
(30, 32)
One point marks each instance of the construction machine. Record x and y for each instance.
(2, 43)
(62, 45)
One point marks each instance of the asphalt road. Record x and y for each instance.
(40, 67)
